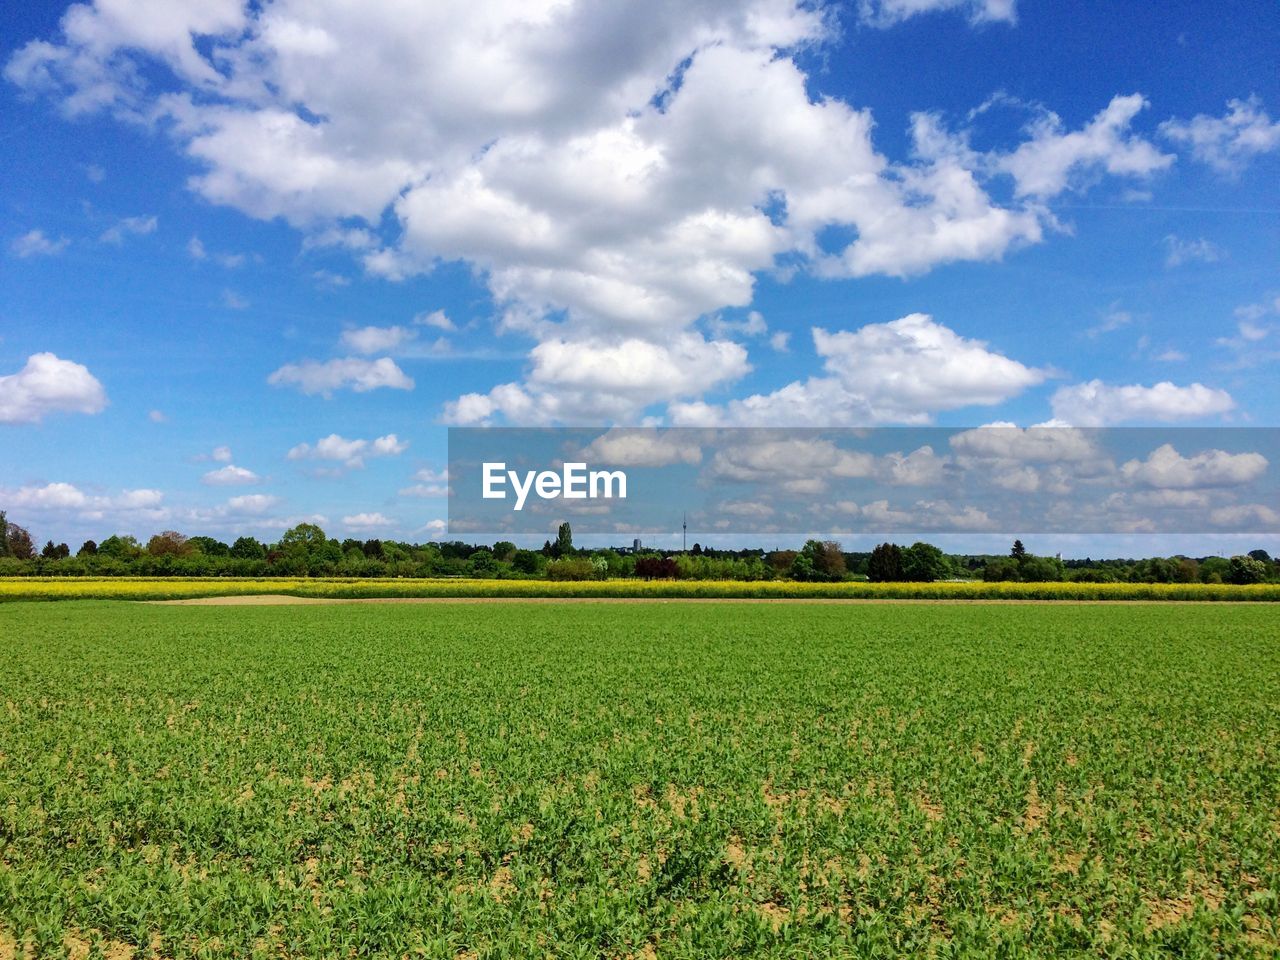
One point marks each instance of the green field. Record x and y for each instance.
(640, 780)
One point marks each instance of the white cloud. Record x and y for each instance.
(35, 244)
(63, 497)
(886, 13)
(780, 341)
(129, 226)
(195, 248)
(609, 195)
(1186, 251)
(1229, 142)
(48, 384)
(1165, 468)
(772, 456)
(312, 377)
(437, 319)
(367, 340)
(230, 476)
(1096, 404)
(898, 372)
(252, 503)
(157, 416)
(434, 528)
(351, 453)
(1246, 517)
(425, 490)
(367, 521)
(1039, 444)
(1046, 164)
(919, 468)
(595, 380)
(233, 301)
(621, 447)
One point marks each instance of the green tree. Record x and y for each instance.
(87, 549)
(564, 541)
(1018, 552)
(1246, 570)
(885, 564)
(247, 548)
(924, 563)
(4, 534)
(306, 535)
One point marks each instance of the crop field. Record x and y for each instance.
(639, 780)
(172, 588)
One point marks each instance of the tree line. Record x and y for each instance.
(306, 550)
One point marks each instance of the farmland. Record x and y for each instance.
(640, 780)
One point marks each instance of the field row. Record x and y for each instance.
(173, 588)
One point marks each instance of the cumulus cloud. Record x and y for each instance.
(898, 372)
(48, 384)
(1245, 517)
(1187, 251)
(66, 497)
(435, 318)
(252, 503)
(367, 521)
(1052, 158)
(595, 380)
(230, 476)
(316, 377)
(1165, 468)
(1040, 444)
(1096, 404)
(886, 13)
(1229, 142)
(367, 340)
(129, 226)
(350, 453)
(609, 194)
(622, 447)
(35, 244)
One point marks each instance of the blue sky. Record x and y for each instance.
(607, 213)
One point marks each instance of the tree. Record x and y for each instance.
(1247, 570)
(564, 541)
(526, 562)
(247, 548)
(209, 546)
(885, 564)
(1019, 551)
(504, 550)
(1260, 555)
(4, 534)
(924, 563)
(306, 535)
(18, 542)
(169, 543)
(1001, 568)
(819, 560)
(87, 549)
(120, 548)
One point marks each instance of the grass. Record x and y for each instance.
(172, 588)
(640, 781)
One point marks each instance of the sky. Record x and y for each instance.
(255, 259)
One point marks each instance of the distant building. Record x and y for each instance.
(635, 545)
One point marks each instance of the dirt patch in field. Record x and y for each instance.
(245, 600)
(280, 600)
